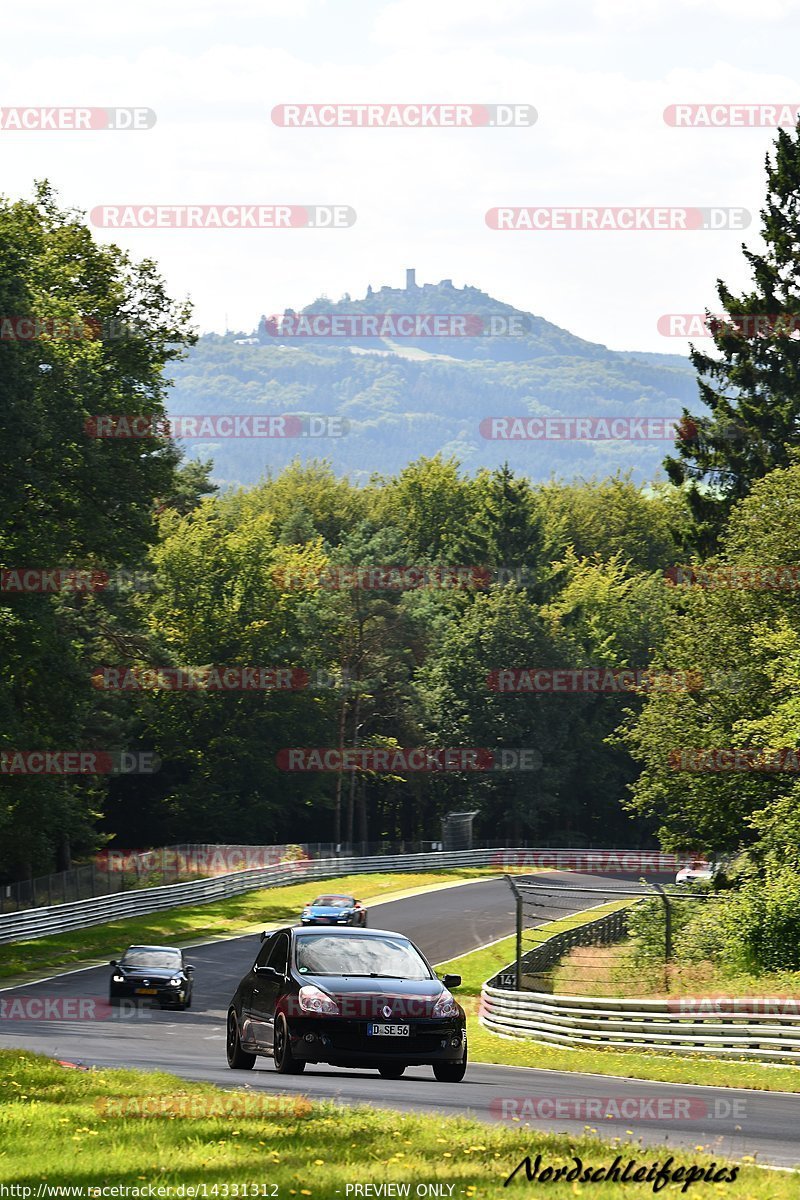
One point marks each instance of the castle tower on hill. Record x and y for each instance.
(411, 279)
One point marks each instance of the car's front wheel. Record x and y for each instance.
(238, 1059)
(285, 1062)
(451, 1072)
(392, 1070)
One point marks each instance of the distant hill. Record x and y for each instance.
(402, 396)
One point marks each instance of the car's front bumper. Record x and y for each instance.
(160, 992)
(341, 1041)
(327, 920)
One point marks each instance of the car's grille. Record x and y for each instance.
(420, 1043)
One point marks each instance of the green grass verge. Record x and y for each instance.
(221, 918)
(56, 1127)
(488, 1047)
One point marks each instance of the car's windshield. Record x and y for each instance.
(389, 957)
(334, 901)
(153, 959)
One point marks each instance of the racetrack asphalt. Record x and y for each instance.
(446, 923)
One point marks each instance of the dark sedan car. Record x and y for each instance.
(349, 998)
(158, 972)
(334, 910)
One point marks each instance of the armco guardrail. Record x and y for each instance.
(60, 918)
(636, 1024)
(117, 870)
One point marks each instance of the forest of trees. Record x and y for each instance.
(692, 584)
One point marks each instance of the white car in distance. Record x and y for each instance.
(697, 871)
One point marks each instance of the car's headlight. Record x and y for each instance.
(313, 1000)
(445, 1006)
(175, 981)
(306, 912)
(117, 978)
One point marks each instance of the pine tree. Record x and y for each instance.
(505, 534)
(752, 388)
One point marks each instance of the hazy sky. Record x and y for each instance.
(599, 74)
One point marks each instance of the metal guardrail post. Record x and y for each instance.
(519, 943)
(667, 932)
(518, 902)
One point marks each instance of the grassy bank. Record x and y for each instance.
(195, 922)
(613, 971)
(480, 965)
(68, 1127)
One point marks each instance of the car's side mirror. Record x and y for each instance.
(113, 962)
(189, 969)
(263, 935)
(450, 981)
(269, 972)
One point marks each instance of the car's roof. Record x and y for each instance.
(346, 931)
(335, 896)
(170, 949)
(342, 931)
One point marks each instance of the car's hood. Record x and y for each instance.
(403, 998)
(324, 910)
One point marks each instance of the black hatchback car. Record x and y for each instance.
(348, 997)
(158, 972)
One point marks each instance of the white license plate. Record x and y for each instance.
(389, 1030)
